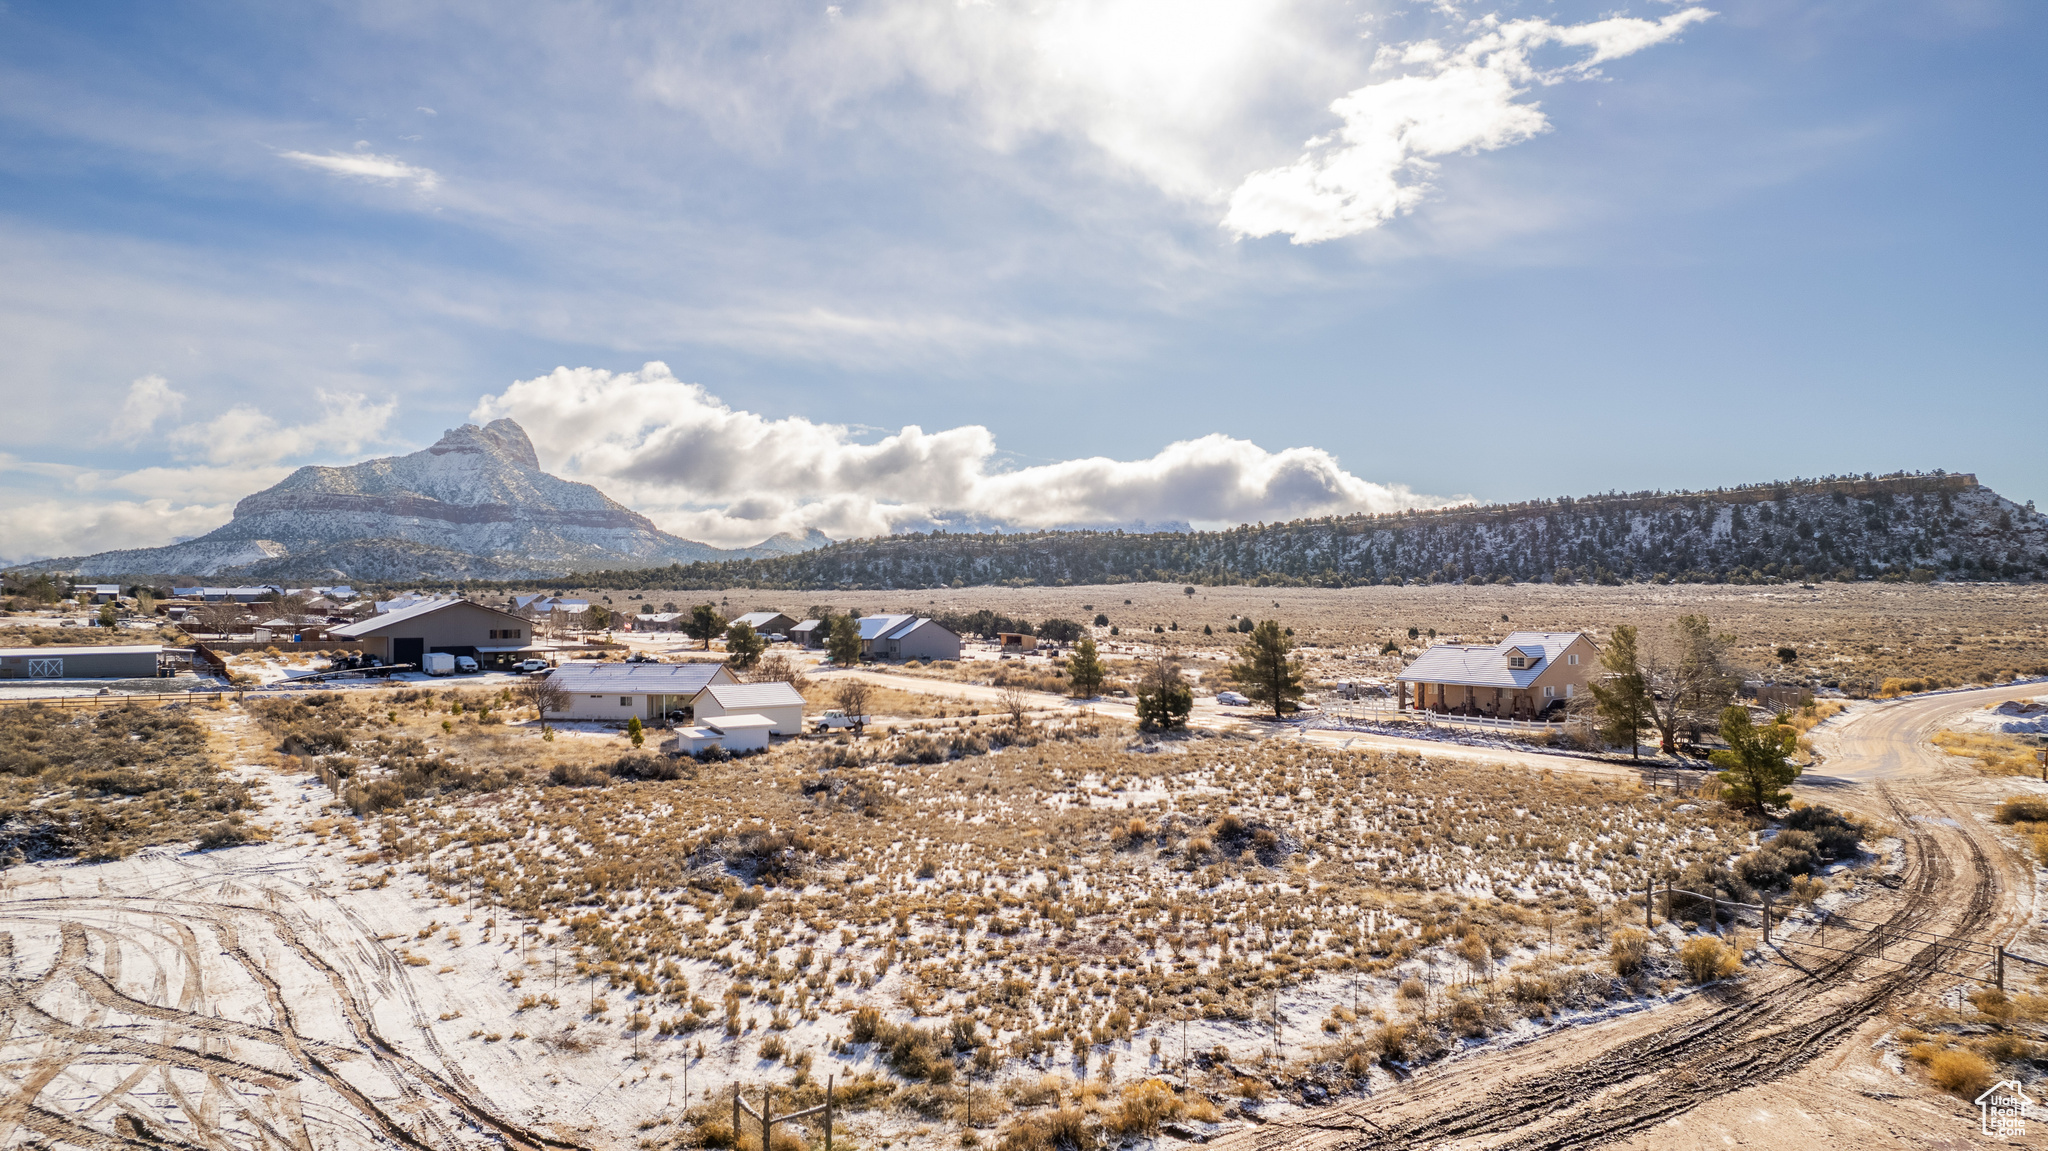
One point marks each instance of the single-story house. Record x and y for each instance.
(128, 661)
(811, 633)
(660, 621)
(101, 592)
(1517, 678)
(1017, 641)
(777, 700)
(916, 639)
(620, 691)
(767, 622)
(742, 732)
(454, 626)
(906, 637)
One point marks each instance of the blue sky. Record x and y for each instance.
(869, 266)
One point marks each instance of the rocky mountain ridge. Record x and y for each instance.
(474, 505)
(1920, 527)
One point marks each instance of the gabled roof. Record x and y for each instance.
(1486, 665)
(911, 625)
(808, 625)
(877, 626)
(748, 722)
(377, 623)
(639, 678)
(745, 695)
(760, 619)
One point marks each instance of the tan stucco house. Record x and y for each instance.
(1517, 678)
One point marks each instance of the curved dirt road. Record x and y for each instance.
(1766, 1062)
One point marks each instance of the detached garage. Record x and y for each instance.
(454, 626)
(137, 661)
(780, 703)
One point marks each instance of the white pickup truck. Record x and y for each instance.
(837, 720)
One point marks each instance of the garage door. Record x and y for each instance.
(46, 669)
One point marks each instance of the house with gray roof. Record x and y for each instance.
(1521, 677)
(617, 692)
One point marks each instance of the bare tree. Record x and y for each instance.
(219, 617)
(775, 668)
(542, 694)
(852, 697)
(1688, 678)
(294, 610)
(1014, 703)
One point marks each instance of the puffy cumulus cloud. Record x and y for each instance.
(149, 399)
(1459, 98)
(361, 165)
(244, 436)
(705, 470)
(40, 529)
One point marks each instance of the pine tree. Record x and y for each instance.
(1757, 765)
(743, 646)
(705, 624)
(1623, 694)
(1265, 671)
(1084, 670)
(844, 642)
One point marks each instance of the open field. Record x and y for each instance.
(1850, 636)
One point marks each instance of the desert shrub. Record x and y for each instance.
(1142, 1108)
(577, 775)
(654, 767)
(1065, 1129)
(1706, 959)
(367, 797)
(2023, 809)
(1960, 1072)
(100, 785)
(1629, 950)
(230, 833)
(771, 856)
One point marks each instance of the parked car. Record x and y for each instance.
(1232, 699)
(837, 720)
(641, 657)
(464, 665)
(530, 666)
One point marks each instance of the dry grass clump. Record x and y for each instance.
(1993, 754)
(103, 784)
(1706, 959)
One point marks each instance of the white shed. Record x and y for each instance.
(777, 701)
(695, 740)
(742, 732)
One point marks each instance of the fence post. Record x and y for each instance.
(735, 1115)
(1767, 918)
(2001, 966)
(1649, 904)
(767, 1114)
(828, 1113)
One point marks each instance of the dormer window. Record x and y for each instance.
(1518, 661)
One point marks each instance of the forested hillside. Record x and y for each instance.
(1919, 527)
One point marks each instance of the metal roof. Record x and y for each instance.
(808, 625)
(54, 649)
(877, 626)
(1486, 665)
(638, 678)
(757, 619)
(377, 623)
(749, 722)
(743, 695)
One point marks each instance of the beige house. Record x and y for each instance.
(617, 692)
(454, 626)
(1522, 677)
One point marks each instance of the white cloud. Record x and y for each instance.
(1464, 98)
(44, 528)
(150, 399)
(367, 166)
(244, 436)
(707, 471)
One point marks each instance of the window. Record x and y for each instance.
(625, 701)
(1568, 690)
(1549, 693)
(1518, 661)
(1572, 659)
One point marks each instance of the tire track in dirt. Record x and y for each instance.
(1644, 1082)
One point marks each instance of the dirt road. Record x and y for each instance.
(1768, 1061)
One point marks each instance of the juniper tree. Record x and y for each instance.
(1265, 669)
